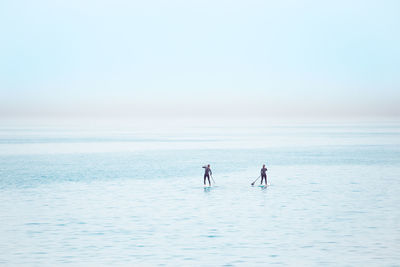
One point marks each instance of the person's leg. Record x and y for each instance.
(209, 183)
(205, 179)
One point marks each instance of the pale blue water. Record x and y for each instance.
(130, 193)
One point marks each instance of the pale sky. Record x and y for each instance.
(199, 58)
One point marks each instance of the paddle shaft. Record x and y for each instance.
(212, 179)
(256, 180)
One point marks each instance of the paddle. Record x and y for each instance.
(212, 179)
(255, 180)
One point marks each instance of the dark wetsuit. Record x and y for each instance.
(207, 173)
(263, 175)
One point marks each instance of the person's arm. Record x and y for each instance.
(210, 172)
(204, 167)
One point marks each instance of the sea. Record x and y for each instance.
(129, 192)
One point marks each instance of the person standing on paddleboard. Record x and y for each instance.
(264, 174)
(207, 173)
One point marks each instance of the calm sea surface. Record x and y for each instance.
(130, 193)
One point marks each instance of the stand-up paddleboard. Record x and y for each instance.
(263, 185)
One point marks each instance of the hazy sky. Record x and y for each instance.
(199, 58)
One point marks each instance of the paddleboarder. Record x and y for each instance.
(207, 173)
(264, 174)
